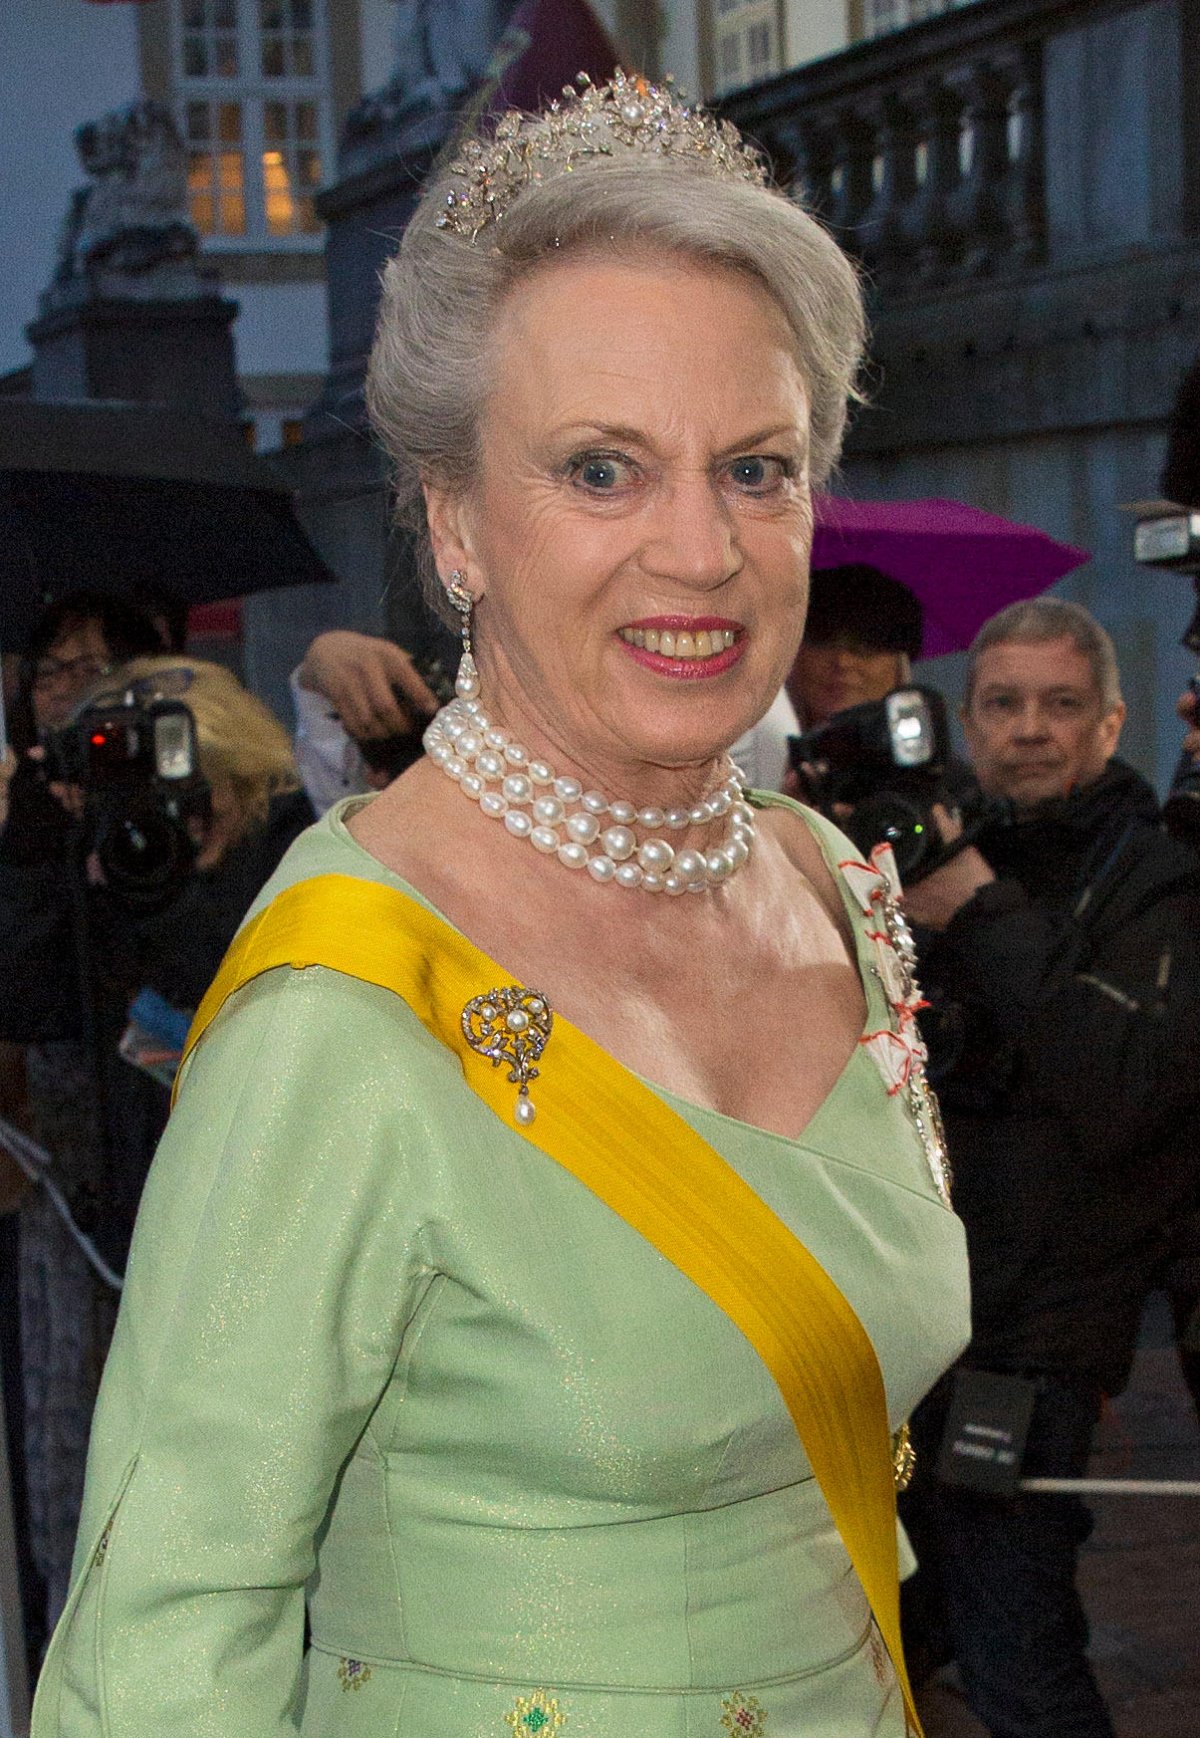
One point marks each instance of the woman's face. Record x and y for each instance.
(227, 823)
(829, 676)
(643, 487)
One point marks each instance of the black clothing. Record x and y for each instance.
(179, 949)
(45, 905)
(1064, 1039)
(38, 966)
(996, 1590)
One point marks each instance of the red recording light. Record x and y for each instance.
(99, 739)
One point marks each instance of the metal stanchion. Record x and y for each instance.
(1117, 1487)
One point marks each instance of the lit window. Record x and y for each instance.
(253, 90)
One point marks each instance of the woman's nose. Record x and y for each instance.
(692, 536)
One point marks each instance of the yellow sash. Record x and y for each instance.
(646, 1163)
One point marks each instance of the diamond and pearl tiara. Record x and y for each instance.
(587, 121)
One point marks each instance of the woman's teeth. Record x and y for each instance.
(681, 644)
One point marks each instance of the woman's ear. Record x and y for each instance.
(450, 534)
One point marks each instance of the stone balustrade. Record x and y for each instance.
(925, 151)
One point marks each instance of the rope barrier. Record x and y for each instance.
(36, 1163)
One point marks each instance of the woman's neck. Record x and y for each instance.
(653, 799)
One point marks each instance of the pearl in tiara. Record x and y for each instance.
(587, 121)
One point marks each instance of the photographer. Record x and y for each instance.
(77, 945)
(861, 634)
(66, 1314)
(350, 692)
(1061, 956)
(872, 758)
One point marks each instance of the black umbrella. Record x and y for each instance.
(108, 496)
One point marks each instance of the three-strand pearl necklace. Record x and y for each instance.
(583, 829)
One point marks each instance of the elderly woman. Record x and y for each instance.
(551, 1231)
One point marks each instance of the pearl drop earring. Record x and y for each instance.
(466, 684)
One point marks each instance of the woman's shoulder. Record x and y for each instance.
(325, 848)
(807, 823)
(814, 846)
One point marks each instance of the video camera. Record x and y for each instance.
(133, 753)
(1169, 536)
(886, 762)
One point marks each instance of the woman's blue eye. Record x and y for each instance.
(757, 474)
(601, 473)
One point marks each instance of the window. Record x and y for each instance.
(746, 40)
(251, 84)
(885, 15)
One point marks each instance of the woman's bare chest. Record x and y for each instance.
(761, 1034)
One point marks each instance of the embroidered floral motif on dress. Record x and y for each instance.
(353, 1674)
(536, 1716)
(897, 1049)
(744, 1716)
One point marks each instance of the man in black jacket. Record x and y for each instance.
(1061, 958)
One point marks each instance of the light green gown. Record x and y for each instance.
(378, 1352)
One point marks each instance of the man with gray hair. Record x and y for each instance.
(1061, 957)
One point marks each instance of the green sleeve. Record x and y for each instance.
(277, 1258)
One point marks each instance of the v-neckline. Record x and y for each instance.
(867, 976)
(677, 1102)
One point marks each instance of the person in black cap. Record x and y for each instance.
(862, 633)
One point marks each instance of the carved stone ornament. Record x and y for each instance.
(133, 215)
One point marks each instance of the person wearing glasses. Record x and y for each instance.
(98, 1117)
(66, 1315)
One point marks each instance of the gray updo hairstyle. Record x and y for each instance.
(428, 378)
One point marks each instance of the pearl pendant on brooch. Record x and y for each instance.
(511, 1025)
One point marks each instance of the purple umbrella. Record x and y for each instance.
(961, 564)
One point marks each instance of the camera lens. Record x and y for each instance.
(892, 819)
(145, 855)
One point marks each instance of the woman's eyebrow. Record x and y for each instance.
(637, 437)
(605, 431)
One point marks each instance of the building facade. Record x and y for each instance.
(719, 46)
(1021, 179)
(259, 90)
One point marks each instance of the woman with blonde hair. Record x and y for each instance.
(256, 809)
(245, 753)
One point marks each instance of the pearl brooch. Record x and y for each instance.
(511, 1025)
(583, 829)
